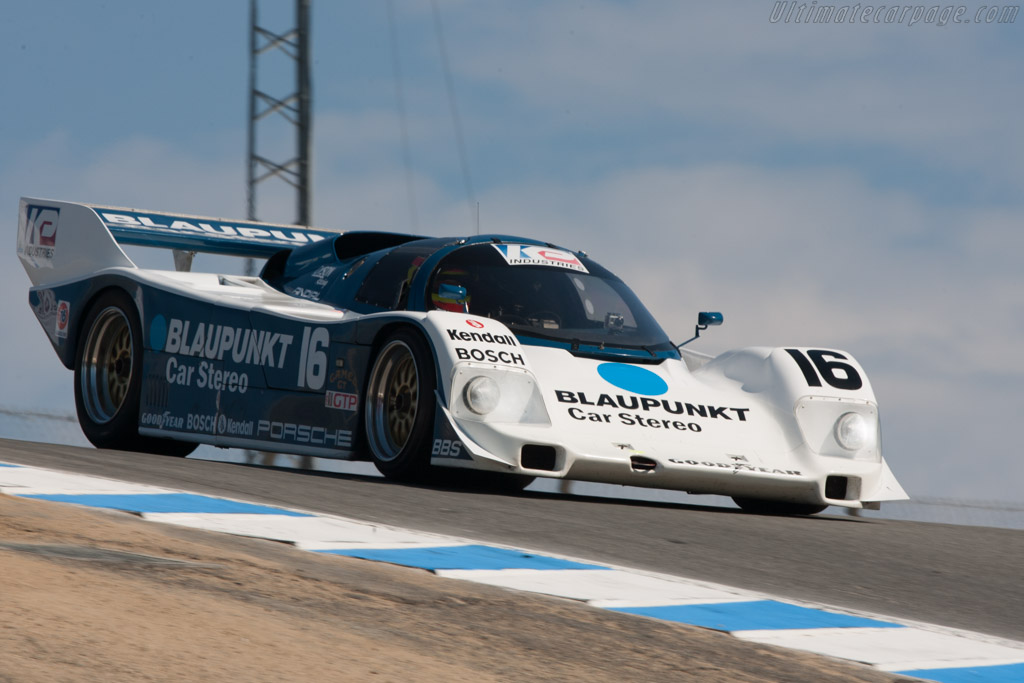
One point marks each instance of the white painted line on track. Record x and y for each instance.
(611, 588)
(892, 649)
(307, 533)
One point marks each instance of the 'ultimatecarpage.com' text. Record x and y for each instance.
(795, 12)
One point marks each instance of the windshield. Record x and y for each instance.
(573, 300)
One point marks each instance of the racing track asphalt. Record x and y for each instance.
(961, 577)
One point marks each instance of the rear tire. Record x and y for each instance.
(108, 378)
(400, 407)
(774, 507)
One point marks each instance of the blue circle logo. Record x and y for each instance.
(632, 378)
(157, 332)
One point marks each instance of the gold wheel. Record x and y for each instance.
(107, 365)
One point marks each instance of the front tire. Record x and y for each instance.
(108, 378)
(400, 407)
(774, 507)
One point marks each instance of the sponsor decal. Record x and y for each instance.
(164, 420)
(343, 379)
(207, 423)
(44, 305)
(630, 420)
(322, 273)
(220, 342)
(243, 345)
(47, 303)
(446, 448)
(205, 375)
(232, 427)
(302, 434)
(38, 241)
(63, 318)
(303, 293)
(489, 356)
(632, 378)
(475, 323)
(734, 467)
(338, 400)
(645, 404)
(482, 337)
(250, 232)
(532, 255)
(447, 443)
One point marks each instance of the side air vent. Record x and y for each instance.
(641, 464)
(537, 457)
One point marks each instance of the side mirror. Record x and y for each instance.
(705, 319)
(454, 293)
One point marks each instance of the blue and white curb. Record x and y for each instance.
(919, 650)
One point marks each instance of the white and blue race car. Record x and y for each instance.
(509, 358)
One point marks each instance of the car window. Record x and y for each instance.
(387, 283)
(580, 303)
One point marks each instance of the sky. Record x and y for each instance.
(856, 185)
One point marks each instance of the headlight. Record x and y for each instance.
(481, 395)
(497, 395)
(851, 431)
(840, 428)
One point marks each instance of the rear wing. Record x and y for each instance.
(60, 241)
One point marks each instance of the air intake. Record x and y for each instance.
(537, 457)
(835, 488)
(642, 464)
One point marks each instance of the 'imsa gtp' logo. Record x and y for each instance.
(341, 401)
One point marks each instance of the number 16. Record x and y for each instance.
(848, 379)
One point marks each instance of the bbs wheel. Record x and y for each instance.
(774, 507)
(108, 378)
(400, 406)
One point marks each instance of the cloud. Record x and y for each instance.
(929, 93)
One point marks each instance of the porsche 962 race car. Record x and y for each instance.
(511, 358)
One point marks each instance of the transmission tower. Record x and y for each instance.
(294, 107)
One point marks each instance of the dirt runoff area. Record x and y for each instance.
(89, 595)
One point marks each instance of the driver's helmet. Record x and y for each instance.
(450, 276)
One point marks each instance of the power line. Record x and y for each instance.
(396, 64)
(453, 105)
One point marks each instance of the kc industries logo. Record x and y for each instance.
(533, 255)
(37, 241)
